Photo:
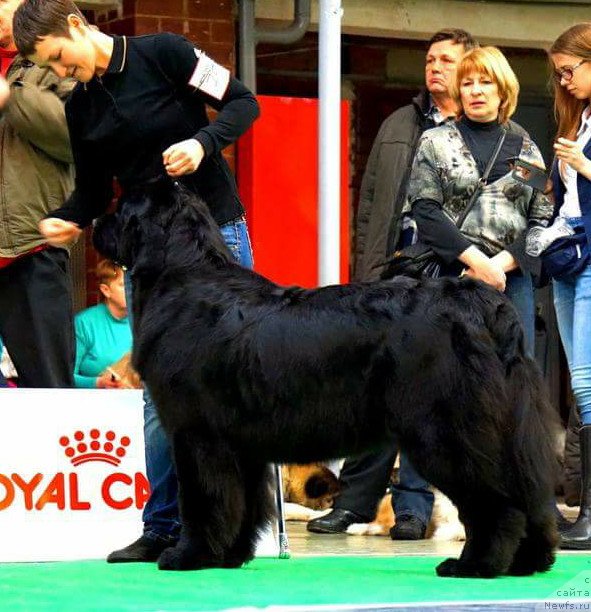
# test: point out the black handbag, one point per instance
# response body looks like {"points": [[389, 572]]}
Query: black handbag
{"points": [[414, 260], [566, 257], [420, 259]]}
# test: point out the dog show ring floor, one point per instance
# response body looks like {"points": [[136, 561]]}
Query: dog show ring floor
{"points": [[325, 573]]}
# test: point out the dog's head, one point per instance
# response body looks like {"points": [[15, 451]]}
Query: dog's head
{"points": [[312, 485], [160, 225]]}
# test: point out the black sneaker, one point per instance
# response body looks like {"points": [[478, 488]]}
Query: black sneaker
{"points": [[145, 549], [408, 528], [336, 521]]}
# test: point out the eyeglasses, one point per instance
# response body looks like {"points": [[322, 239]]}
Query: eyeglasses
{"points": [[566, 74]]}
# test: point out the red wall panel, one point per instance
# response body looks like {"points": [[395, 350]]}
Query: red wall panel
{"points": [[278, 178]]}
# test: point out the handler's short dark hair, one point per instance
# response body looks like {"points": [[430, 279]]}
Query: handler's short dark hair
{"points": [[457, 35], [34, 19]]}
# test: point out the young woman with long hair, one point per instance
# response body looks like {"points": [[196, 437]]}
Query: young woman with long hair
{"points": [[570, 57]]}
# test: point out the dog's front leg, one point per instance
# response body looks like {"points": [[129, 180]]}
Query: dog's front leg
{"points": [[211, 502]]}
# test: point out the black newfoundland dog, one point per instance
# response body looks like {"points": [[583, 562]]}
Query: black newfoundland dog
{"points": [[245, 372]]}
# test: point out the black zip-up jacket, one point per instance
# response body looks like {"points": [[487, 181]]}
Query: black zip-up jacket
{"points": [[383, 188], [150, 97]]}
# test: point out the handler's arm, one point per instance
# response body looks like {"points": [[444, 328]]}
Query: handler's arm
{"points": [[94, 180], [190, 68]]}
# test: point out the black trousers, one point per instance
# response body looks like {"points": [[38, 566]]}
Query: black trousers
{"points": [[365, 478], [36, 318]]}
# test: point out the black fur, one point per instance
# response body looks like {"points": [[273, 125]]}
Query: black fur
{"points": [[245, 372]]}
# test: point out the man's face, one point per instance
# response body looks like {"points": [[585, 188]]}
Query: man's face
{"points": [[7, 9], [441, 64]]}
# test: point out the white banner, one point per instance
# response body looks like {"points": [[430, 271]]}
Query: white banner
{"points": [[72, 474]]}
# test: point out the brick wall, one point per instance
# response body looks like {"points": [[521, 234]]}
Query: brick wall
{"points": [[209, 24]]}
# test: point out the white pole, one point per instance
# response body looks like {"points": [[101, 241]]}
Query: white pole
{"points": [[329, 141]]}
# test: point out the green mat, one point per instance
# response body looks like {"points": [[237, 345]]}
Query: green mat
{"points": [[96, 585]]}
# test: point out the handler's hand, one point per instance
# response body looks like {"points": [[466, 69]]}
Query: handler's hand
{"points": [[59, 232], [183, 157], [571, 152]]}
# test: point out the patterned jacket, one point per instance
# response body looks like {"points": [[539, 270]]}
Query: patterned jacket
{"points": [[445, 171]]}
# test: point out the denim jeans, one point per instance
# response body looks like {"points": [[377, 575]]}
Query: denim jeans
{"points": [[520, 290], [572, 302], [412, 495], [161, 513]]}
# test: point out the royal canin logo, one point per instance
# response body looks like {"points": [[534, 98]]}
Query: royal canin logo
{"points": [[118, 490], [95, 448]]}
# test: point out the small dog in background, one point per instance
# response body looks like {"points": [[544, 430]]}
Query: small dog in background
{"points": [[123, 371], [309, 490], [444, 525]]}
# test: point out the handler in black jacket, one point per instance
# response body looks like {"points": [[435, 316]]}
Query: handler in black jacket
{"points": [[139, 111]]}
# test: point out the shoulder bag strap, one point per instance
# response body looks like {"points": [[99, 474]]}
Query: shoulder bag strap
{"points": [[482, 180]]}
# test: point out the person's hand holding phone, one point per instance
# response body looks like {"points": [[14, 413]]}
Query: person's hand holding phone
{"points": [[571, 152]]}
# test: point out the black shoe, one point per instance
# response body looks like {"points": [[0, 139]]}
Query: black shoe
{"points": [[336, 521], [408, 528], [578, 537], [144, 549]]}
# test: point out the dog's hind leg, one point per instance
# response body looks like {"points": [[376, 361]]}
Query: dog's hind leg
{"points": [[494, 530], [211, 502], [259, 510]]}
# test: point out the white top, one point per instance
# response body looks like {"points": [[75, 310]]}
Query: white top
{"points": [[571, 206]]}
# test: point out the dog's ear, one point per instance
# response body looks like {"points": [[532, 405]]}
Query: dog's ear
{"points": [[142, 241], [105, 236]]}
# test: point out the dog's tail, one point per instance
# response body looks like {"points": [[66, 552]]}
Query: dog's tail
{"points": [[532, 454]]}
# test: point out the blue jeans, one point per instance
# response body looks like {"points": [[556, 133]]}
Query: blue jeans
{"points": [[161, 513], [572, 302], [412, 496], [520, 290]]}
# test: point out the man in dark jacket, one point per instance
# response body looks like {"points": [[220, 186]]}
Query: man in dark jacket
{"points": [[383, 190], [36, 175]]}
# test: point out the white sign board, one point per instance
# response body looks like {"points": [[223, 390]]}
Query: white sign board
{"points": [[72, 474]]}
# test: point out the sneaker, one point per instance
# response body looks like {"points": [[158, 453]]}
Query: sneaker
{"points": [[145, 549], [408, 528]]}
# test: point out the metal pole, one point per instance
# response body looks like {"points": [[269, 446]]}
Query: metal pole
{"points": [[247, 44], [329, 141]]}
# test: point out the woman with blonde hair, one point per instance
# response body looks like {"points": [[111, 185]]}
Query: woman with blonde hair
{"points": [[477, 227], [570, 57]]}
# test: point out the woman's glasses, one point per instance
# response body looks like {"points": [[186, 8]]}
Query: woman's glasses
{"points": [[566, 74]]}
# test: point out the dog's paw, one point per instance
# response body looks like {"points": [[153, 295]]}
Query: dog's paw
{"points": [[449, 532], [179, 558], [455, 568], [373, 529], [527, 563]]}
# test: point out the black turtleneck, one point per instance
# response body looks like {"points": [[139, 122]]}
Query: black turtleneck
{"points": [[481, 138], [436, 228]]}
